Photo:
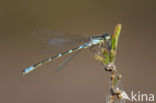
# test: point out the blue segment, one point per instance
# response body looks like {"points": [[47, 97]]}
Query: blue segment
{"points": [[86, 44], [70, 51], [60, 55], [80, 47], [27, 70]]}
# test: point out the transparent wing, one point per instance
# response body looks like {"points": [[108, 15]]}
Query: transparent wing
{"points": [[59, 40]]}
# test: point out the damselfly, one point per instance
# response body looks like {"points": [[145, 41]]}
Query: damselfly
{"points": [[101, 40]]}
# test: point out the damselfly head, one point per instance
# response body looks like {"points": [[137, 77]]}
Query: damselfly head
{"points": [[106, 36]]}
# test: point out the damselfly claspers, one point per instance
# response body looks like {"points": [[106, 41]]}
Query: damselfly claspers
{"points": [[92, 41]]}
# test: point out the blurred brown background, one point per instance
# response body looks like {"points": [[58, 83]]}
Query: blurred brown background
{"points": [[83, 80]]}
